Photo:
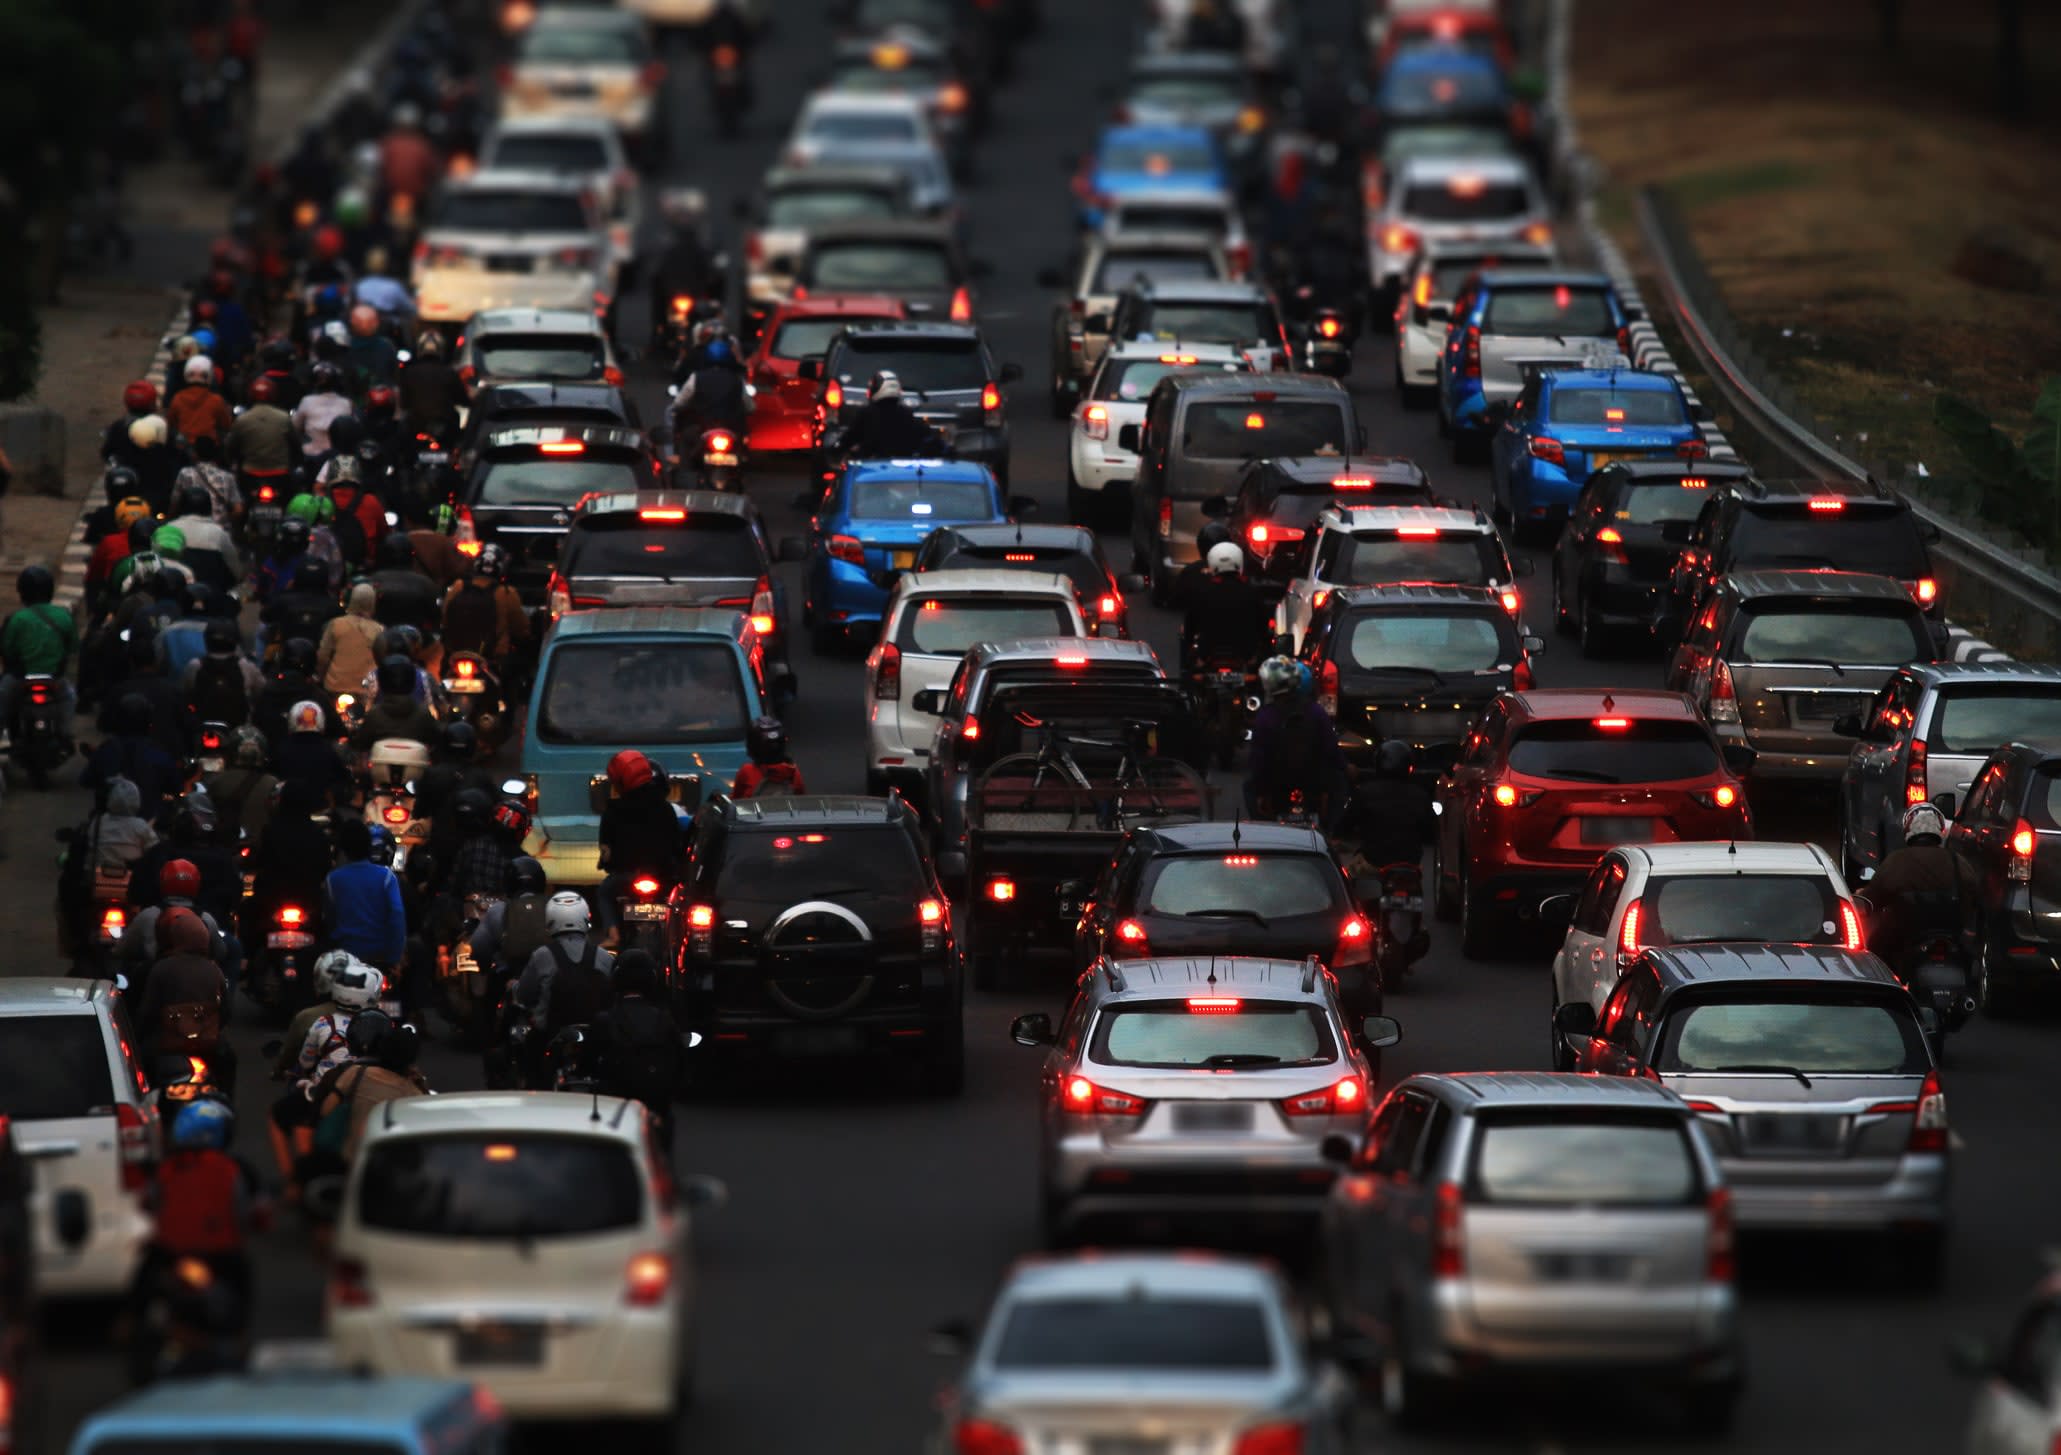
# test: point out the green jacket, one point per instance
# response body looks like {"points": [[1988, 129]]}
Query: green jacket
{"points": [[37, 640]]}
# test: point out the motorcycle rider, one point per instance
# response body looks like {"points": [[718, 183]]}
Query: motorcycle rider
{"points": [[197, 409], [361, 903], [1918, 892], [567, 982], [713, 397], [260, 447], [325, 402], [373, 359], [432, 392], [301, 609], [640, 833], [887, 428], [484, 615], [514, 929], [156, 463], [133, 754], [397, 712], [345, 655], [1390, 811], [205, 1201], [291, 681], [139, 398], [479, 865], [686, 267], [361, 1088], [224, 684], [1224, 617], [210, 551], [185, 995], [242, 792], [638, 1043], [323, 979], [37, 641], [1294, 746], [207, 473], [769, 771], [407, 597]]}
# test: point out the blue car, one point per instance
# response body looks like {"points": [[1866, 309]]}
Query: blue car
{"points": [[1132, 159], [1509, 320], [295, 1411], [1568, 422], [1442, 86], [866, 531]]}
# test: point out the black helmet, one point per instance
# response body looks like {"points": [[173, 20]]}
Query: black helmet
{"points": [[766, 740], [298, 655], [328, 379], [345, 434], [132, 714], [276, 355], [195, 500], [1213, 533], [293, 536], [1393, 758], [492, 562], [408, 640], [221, 637], [460, 739], [121, 482], [196, 599], [398, 1047], [388, 644], [366, 1030], [471, 808], [35, 585], [396, 676], [526, 875], [396, 552]]}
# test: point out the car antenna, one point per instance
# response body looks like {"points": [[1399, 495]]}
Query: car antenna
{"points": [[622, 1109], [1237, 824], [1212, 973], [594, 1113], [1733, 848]]}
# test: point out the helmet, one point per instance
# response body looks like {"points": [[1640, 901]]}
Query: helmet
{"points": [[512, 819], [196, 600], [203, 1125], [356, 986], [565, 913], [720, 352], [1922, 821], [179, 879], [144, 568], [629, 770], [460, 739], [130, 509], [250, 748], [398, 1047], [261, 390], [384, 844], [352, 206], [311, 509], [327, 378], [380, 397], [346, 433], [470, 808], [361, 1037], [885, 385], [120, 482], [1393, 758], [207, 311], [397, 675], [148, 430], [305, 717], [492, 562], [185, 347], [429, 344], [220, 637], [200, 369], [195, 500], [182, 932], [328, 241], [326, 966], [1278, 677], [205, 338], [1225, 559], [35, 585], [168, 540], [396, 552], [140, 397], [526, 876], [276, 355], [364, 320], [298, 655], [407, 640], [766, 740], [334, 341], [1210, 535]]}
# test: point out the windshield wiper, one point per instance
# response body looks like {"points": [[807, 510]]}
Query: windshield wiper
{"points": [[1252, 914], [1241, 1058], [1437, 677], [1838, 668], [1772, 1070]]}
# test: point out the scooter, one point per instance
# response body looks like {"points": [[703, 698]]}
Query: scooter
{"points": [[33, 739], [281, 978], [1327, 345], [722, 460], [1936, 973], [1400, 937], [476, 697], [464, 988], [729, 88], [644, 919]]}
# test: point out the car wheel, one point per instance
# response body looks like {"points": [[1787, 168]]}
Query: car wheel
{"points": [[1592, 631], [1563, 619], [944, 1064], [1444, 902], [1477, 922]]}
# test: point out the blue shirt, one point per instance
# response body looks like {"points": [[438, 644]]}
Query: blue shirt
{"points": [[365, 914]]}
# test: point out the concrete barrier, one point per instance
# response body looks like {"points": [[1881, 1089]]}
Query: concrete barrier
{"points": [[33, 436]]}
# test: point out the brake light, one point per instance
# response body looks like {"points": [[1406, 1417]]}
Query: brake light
{"points": [[887, 672], [1506, 796], [1166, 517], [1421, 294], [558, 596], [991, 402], [348, 1285], [1344, 1096], [1395, 238], [931, 911], [683, 304], [1926, 590], [562, 447], [39, 694], [719, 442], [1317, 602], [1914, 773], [1352, 482], [1541, 233], [1850, 925], [1826, 503], [962, 305], [701, 917], [1470, 352], [2023, 842], [1546, 448], [1214, 1004], [113, 921], [1417, 532], [648, 1280], [292, 916], [1327, 688], [663, 513], [1724, 702], [1520, 675], [1929, 1127], [848, 549], [1720, 1258], [970, 730], [1329, 327], [833, 395], [1448, 1250], [1109, 606], [134, 1133], [763, 617], [1001, 891], [1131, 936], [1724, 795], [1628, 932], [465, 667], [266, 492], [1085, 1098], [1613, 724], [1181, 360], [1510, 601], [1355, 942], [395, 813], [1095, 422], [1610, 536], [984, 1437]]}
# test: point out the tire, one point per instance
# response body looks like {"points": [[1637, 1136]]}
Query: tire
{"points": [[1562, 1059], [1478, 924], [1445, 904], [944, 1066], [1563, 619]]}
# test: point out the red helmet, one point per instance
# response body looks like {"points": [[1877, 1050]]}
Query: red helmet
{"points": [[222, 252], [329, 241], [262, 390], [179, 879], [630, 769], [512, 818], [380, 396], [206, 310], [222, 281], [140, 397]]}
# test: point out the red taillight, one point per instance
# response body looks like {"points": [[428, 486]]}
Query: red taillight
{"points": [[395, 813], [1329, 327], [1628, 933], [991, 398], [718, 442], [1724, 795], [970, 729], [1724, 701], [984, 1437], [611, 375], [1355, 941], [648, 1280], [1109, 606], [1510, 600], [1215, 1004], [962, 305], [1131, 936], [39, 694], [1395, 238], [887, 672], [348, 1284], [266, 492], [833, 395], [1470, 352], [1001, 891], [1085, 1098], [1095, 422], [1506, 796], [134, 1133], [930, 911], [1926, 590], [1929, 1124], [1720, 1252], [646, 886], [1448, 1250], [1546, 448], [292, 916], [1327, 688], [1520, 675], [848, 549], [562, 447], [1275, 1439], [1849, 925], [1343, 1096], [701, 917], [2023, 842], [1166, 517], [1692, 449]]}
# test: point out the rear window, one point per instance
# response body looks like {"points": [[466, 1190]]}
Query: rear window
{"points": [[515, 1185], [700, 547], [1656, 502], [1418, 641], [217, 1442], [545, 153], [1158, 158], [574, 45], [541, 356], [848, 126], [1701, 908], [1271, 886], [1811, 1033], [54, 1066], [880, 267], [1466, 200], [1119, 270], [805, 336], [1171, 217], [932, 367], [1577, 751], [1211, 323], [842, 863], [806, 207], [1548, 311], [1560, 1161], [1880, 542], [1618, 407], [1829, 632], [1188, 90], [1470, 558], [948, 625], [1253, 429], [1133, 378], [602, 693], [482, 211], [1976, 719], [1104, 1334], [555, 482], [1426, 91], [1251, 1034], [921, 500], [1088, 578]]}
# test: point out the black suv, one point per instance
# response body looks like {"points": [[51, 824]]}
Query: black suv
{"points": [[1274, 512], [506, 402], [1073, 551], [528, 479], [949, 377], [815, 926], [1805, 525]]}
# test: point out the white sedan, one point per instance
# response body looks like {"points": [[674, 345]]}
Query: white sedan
{"points": [[1100, 465]]}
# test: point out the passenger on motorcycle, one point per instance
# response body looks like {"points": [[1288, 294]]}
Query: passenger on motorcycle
{"points": [[567, 982], [324, 403], [346, 652], [261, 446], [479, 865], [355, 1091], [361, 903], [1223, 616], [514, 929], [638, 1043], [484, 615], [639, 831], [1918, 893], [224, 685], [323, 979], [185, 996], [431, 391], [345, 1033], [210, 551], [208, 474], [397, 712], [887, 428], [1389, 813], [242, 793], [1294, 746], [454, 767], [205, 1202], [770, 771]]}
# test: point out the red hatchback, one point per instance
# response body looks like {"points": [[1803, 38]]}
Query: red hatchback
{"points": [[1548, 781], [784, 410]]}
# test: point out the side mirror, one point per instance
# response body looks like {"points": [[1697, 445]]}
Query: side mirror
{"points": [[1131, 582], [1534, 645], [1381, 1030], [699, 1190], [1677, 532], [810, 368], [1216, 508], [73, 1218], [950, 1339], [1575, 1018], [1847, 725], [1127, 438], [931, 700], [1739, 758], [1034, 1029], [1556, 911], [1051, 278], [1022, 505], [1967, 1354], [1946, 803], [791, 548], [1337, 1149]]}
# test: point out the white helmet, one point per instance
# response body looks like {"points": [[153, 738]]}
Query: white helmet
{"points": [[565, 913], [1923, 821], [355, 985], [326, 967], [886, 385], [1225, 559], [147, 431], [200, 369]]}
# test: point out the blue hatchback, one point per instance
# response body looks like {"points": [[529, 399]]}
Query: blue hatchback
{"points": [[299, 1411], [866, 531], [1566, 423], [1131, 159]]}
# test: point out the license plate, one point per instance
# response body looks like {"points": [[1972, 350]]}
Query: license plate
{"points": [[501, 1344], [719, 458], [462, 962], [1213, 1116], [645, 912], [1126, 1445], [430, 457], [901, 560], [288, 940], [509, 262], [1610, 457], [1582, 1267], [1823, 706], [262, 516], [1412, 901], [817, 1040], [1616, 830], [1793, 1133], [464, 685], [574, 90]]}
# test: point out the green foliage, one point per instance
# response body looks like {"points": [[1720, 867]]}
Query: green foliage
{"points": [[2018, 482]]}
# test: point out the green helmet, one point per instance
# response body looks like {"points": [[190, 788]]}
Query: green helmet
{"points": [[168, 540], [312, 508], [352, 207]]}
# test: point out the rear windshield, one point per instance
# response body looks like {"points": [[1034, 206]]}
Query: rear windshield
{"points": [[2044, 801], [1252, 430], [53, 1066], [1210, 323], [921, 500], [217, 1442], [1158, 158], [1581, 1159], [880, 267], [805, 336], [1880, 542], [482, 211], [546, 153], [516, 1185], [1119, 270], [1618, 407], [948, 625], [1256, 1035], [1272, 886], [1134, 378], [1812, 1033], [1656, 502], [1699, 908], [1976, 719], [582, 45], [1472, 558], [805, 207], [1578, 751], [1103, 1334], [652, 693], [1463, 201], [699, 547], [1088, 578], [1828, 631], [1415, 640], [1190, 90], [555, 482], [868, 125], [541, 356], [1549, 311], [924, 368], [1448, 274], [842, 863], [1421, 90], [1172, 217]]}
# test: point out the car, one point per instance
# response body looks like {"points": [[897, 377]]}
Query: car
{"points": [[1424, 305], [1810, 1070], [500, 403], [1176, 314], [2006, 842], [1612, 563], [79, 1109], [1445, 86], [1099, 467], [1273, 511], [1197, 88], [679, 684], [978, 38], [1430, 139], [586, 61], [866, 530], [1127, 160], [2015, 1409], [1497, 1226], [23, 1380], [1928, 732], [1565, 423], [674, 17], [916, 261], [535, 1242], [908, 63], [776, 221], [1550, 780], [816, 927], [1198, 1086], [1433, 200], [1775, 658], [1692, 894], [931, 619], [1209, 210], [585, 147], [1377, 545], [1105, 267], [1072, 550], [923, 169], [1508, 318], [1478, 29], [1196, 889], [558, 345], [528, 478], [409, 1415], [949, 376], [783, 417], [1108, 1350], [848, 123], [1807, 524], [513, 240], [1413, 661]]}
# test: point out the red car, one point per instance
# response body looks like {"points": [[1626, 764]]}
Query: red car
{"points": [[784, 411], [1548, 781]]}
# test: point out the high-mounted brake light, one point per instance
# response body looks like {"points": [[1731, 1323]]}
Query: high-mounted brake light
{"points": [[1695, 482], [1613, 724], [1613, 416], [1214, 1004], [1352, 482], [1183, 360], [1417, 532], [1242, 861], [562, 447], [1825, 502], [661, 512], [1070, 661], [1019, 557]]}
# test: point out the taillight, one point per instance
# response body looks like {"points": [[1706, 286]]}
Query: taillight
{"points": [[1348, 1095], [1929, 1127], [1692, 449], [1095, 422], [1926, 590], [848, 549], [1470, 352], [558, 596], [763, 617], [1166, 517], [1509, 796], [1612, 540], [1914, 773], [1001, 891], [1624, 339], [1520, 675], [1355, 942], [1395, 238], [991, 404], [2023, 842], [984, 1437], [1109, 607], [1720, 1246], [1546, 448], [833, 395], [1130, 937], [1083, 1097], [134, 1133], [1724, 702], [648, 1280], [1275, 1439], [113, 920], [932, 917], [962, 305], [1240, 259], [1448, 1250], [1628, 932], [887, 672], [1327, 688], [291, 916], [701, 927], [1510, 599], [718, 442], [1849, 925], [1329, 327], [969, 730], [348, 1284]]}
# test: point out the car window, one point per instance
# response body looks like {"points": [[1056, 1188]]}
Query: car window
{"points": [[1578, 750], [1188, 90], [1687, 909], [1583, 1160], [798, 338], [656, 693], [541, 356], [1977, 719], [1119, 270], [1158, 157], [1421, 641], [1627, 1021], [2043, 799], [1209, 323], [1985, 797], [1088, 578], [218, 1442], [949, 625], [582, 45], [1220, 1031], [54, 1066], [1883, 542], [1599, 897], [881, 265], [806, 207], [847, 863], [1132, 379], [1609, 408], [542, 152], [1660, 502], [838, 124], [481, 210], [920, 499], [1396, 1155], [624, 545], [1549, 310], [924, 367], [1250, 429], [1419, 89], [1465, 199], [1134, 1332], [1822, 631], [1272, 886], [1824, 1034], [1470, 558], [1146, 215], [555, 482], [517, 1185]]}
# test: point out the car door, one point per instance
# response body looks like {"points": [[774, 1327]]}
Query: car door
{"points": [[1403, 1208], [1976, 839], [1686, 582], [1569, 551], [1064, 1054], [1690, 668], [1586, 967], [1874, 784], [1624, 1028], [1104, 906], [1513, 437], [1292, 616], [2014, 1412], [1375, 1248]]}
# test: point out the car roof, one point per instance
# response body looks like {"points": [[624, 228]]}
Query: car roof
{"points": [[1553, 704], [1247, 976], [1787, 490], [587, 15], [1630, 381], [52, 994], [1483, 1090], [1184, 1273], [811, 808], [1743, 964], [1723, 472], [1745, 856], [1047, 537], [1229, 834], [1416, 593], [1256, 385], [886, 229], [833, 99], [1038, 649], [1146, 133], [301, 1404], [869, 306], [619, 436], [1186, 63], [574, 393], [1371, 517], [1947, 674], [724, 622], [912, 327], [1200, 290], [833, 174], [694, 502], [949, 470], [518, 179], [1323, 469], [559, 1113], [1443, 167], [533, 320], [1762, 585], [985, 581], [1542, 278], [556, 124]]}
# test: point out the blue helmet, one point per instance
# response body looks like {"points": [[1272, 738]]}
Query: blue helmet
{"points": [[203, 1125], [720, 352], [383, 845], [205, 337]]}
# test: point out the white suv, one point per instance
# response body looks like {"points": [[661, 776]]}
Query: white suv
{"points": [[513, 240], [1097, 458], [1383, 545], [929, 621], [80, 1110]]}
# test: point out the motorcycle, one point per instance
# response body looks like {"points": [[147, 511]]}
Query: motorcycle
{"points": [[266, 496], [506, 1061], [476, 696], [722, 460], [644, 919], [1400, 937], [674, 325], [1936, 973], [33, 738], [192, 1323], [1327, 343], [281, 978], [212, 754], [1226, 702], [569, 1062]]}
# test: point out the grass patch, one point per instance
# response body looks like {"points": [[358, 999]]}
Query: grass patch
{"points": [[1725, 184]]}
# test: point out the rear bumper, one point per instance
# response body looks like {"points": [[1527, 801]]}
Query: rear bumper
{"points": [[1818, 762], [629, 1365], [1687, 1335], [1117, 1188], [1913, 1196], [446, 299], [1620, 601], [1097, 465], [1513, 890]]}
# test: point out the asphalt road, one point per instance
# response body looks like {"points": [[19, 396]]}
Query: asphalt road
{"points": [[861, 1214]]}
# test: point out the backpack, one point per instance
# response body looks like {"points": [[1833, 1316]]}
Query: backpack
{"points": [[781, 780], [219, 694], [580, 992], [643, 1052], [333, 1129], [198, 1194], [190, 1029], [472, 621], [1294, 757], [523, 930]]}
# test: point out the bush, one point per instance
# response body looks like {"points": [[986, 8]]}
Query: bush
{"points": [[2018, 482]]}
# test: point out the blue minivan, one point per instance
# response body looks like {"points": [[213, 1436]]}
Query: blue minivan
{"points": [[680, 684], [332, 1412]]}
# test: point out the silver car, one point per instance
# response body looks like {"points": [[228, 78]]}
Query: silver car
{"points": [[1493, 1224], [1196, 1086], [1434, 200], [1142, 1354]]}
